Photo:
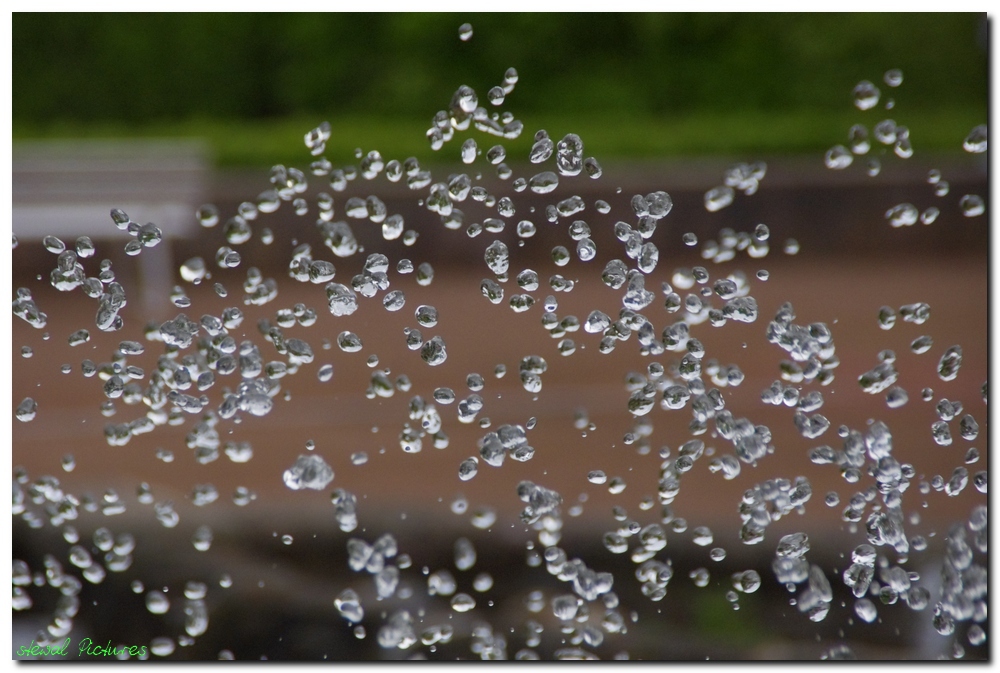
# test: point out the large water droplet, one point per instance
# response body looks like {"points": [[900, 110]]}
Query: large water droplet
{"points": [[866, 95], [972, 205], [309, 471], [975, 142], [26, 410]]}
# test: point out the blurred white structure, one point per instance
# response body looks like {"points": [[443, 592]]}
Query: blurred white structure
{"points": [[67, 188]]}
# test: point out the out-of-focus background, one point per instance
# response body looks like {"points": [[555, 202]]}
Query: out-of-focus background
{"points": [[634, 85], [158, 114]]}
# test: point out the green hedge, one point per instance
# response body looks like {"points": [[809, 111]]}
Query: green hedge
{"points": [[141, 68]]}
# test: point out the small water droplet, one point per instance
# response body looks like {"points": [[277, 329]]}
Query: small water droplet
{"points": [[893, 77]]}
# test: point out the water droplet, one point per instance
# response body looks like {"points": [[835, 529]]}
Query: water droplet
{"points": [[569, 155], [496, 154], [866, 95], [26, 410], [972, 205], [950, 363], [858, 140], [496, 96], [886, 132], [747, 581], [975, 142], [838, 158], [162, 646], [202, 538], [483, 518], [526, 229], [543, 183], [53, 244], [462, 602], [902, 215], [348, 604], [309, 471], [976, 635], [79, 337], [865, 610], [469, 151], [929, 215], [393, 301], [349, 342], [597, 477], [896, 397], [542, 150], [702, 536]]}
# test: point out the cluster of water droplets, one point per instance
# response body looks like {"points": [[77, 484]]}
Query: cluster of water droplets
{"points": [[740, 177], [197, 353], [888, 133]]}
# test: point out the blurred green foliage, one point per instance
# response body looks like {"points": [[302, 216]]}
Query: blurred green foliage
{"points": [[74, 72], [714, 617], [744, 136]]}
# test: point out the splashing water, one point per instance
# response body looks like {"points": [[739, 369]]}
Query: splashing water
{"points": [[218, 381]]}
